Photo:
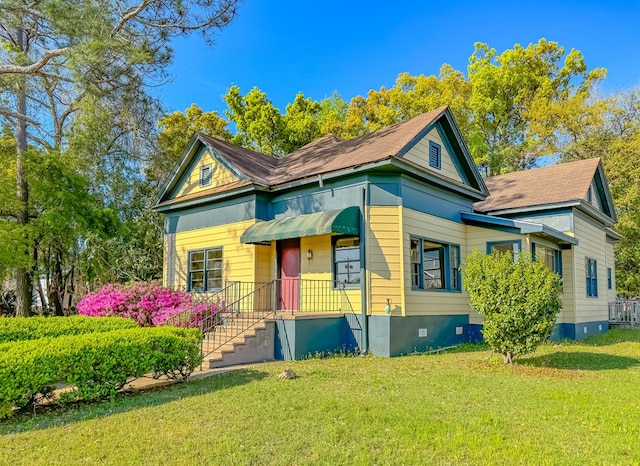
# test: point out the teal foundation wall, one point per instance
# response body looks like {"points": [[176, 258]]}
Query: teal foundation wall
{"points": [[304, 338], [391, 336], [395, 336], [577, 331]]}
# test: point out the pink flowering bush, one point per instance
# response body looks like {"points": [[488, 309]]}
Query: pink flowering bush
{"points": [[147, 303]]}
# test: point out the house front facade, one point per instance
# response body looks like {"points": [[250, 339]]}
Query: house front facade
{"points": [[358, 243]]}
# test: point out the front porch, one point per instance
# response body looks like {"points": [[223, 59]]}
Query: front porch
{"points": [[284, 319]]}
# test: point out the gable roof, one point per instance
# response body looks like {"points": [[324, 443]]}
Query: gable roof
{"points": [[548, 186], [327, 154]]}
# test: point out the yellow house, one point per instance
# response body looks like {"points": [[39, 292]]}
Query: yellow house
{"points": [[358, 243]]}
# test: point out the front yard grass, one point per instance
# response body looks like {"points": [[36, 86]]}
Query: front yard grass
{"points": [[574, 403]]}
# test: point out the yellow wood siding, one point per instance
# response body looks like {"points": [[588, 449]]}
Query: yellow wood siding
{"points": [[239, 260], [220, 175], [317, 274], [385, 277], [610, 263], [419, 154], [265, 263], [593, 245], [421, 302]]}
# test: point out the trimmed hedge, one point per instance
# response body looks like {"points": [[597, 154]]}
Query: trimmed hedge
{"points": [[97, 364], [32, 328]]}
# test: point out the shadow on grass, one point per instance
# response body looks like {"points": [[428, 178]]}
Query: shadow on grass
{"points": [[58, 415], [580, 361]]}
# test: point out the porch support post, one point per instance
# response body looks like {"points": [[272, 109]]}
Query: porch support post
{"points": [[363, 267]]}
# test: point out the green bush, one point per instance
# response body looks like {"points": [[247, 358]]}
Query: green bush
{"points": [[32, 328], [97, 364], [519, 300]]}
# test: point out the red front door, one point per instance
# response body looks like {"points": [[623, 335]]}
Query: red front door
{"points": [[289, 272]]}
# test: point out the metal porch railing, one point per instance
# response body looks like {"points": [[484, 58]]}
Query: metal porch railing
{"points": [[242, 305]]}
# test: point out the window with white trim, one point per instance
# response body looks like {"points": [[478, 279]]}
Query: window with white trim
{"points": [[205, 269], [591, 274], [346, 261], [434, 265], [205, 175], [609, 278]]}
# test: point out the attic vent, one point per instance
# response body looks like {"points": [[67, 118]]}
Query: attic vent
{"points": [[205, 175], [434, 155]]}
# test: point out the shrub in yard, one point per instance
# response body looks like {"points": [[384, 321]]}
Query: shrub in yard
{"points": [[32, 328], [519, 300], [97, 364], [147, 303]]}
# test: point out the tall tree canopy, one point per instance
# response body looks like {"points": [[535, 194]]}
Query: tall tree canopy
{"points": [[60, 60]]}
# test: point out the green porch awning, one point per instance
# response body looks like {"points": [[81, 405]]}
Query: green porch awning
{"points": [[343, 221]]}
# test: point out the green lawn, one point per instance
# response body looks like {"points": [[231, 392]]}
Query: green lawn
{"points": [[578, 403]]}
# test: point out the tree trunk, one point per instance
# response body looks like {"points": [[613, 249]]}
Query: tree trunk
{"points": [[24, 279], [55, 288]]}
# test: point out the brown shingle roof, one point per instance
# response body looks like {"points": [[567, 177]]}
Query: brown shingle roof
{"points": [[549, 185], [254, 165], [324, 155]]}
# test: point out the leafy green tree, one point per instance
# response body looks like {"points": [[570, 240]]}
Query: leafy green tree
{"points": [[409, 97], [259, 125], [301, 123], [519, 300], [175, 131], [509, 106], [56, 54], [332, 117], [610, 128], [520, 97]]}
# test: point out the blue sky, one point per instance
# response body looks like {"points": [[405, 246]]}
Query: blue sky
{"points": [[318, 46]]}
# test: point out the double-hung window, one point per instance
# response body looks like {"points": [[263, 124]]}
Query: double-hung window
{"points": [[346, 261], [434, 265], [609, 278], [205, 269], [591, 273], [551, 257]]}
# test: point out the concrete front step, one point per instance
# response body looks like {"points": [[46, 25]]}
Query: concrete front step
{"points": [[253, 345]]}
